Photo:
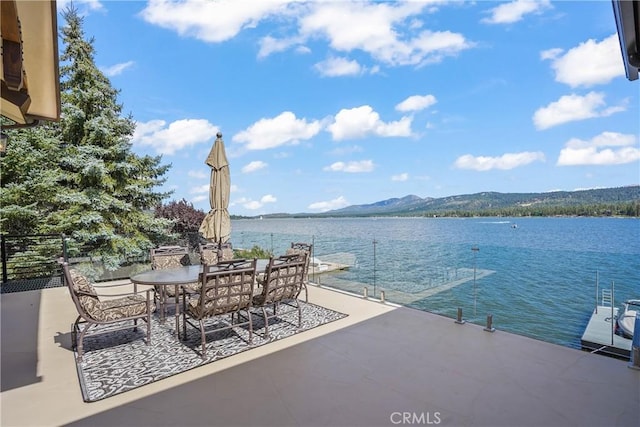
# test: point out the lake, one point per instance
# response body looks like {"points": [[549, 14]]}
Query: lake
{"points": [[536, 276]]}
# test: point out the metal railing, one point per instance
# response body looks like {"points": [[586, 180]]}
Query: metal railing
{"points": [[31, 261], [30, 256]]}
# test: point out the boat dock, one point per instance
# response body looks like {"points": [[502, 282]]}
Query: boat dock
{"points": [[330, 263], [598, 337]]}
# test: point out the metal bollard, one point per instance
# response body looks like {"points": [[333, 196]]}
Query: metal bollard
{"points": [[490, 327], [459, 320], [634, 361], [382, 296], [365, 292]]}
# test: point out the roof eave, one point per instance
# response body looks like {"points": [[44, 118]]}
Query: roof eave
{"points": [[627, 15], [40, 99]]}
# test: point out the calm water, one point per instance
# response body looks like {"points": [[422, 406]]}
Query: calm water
{"points": [[543, 285]]}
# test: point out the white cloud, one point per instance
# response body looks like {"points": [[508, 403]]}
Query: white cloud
{"points": [[334, 67], [508, 13], [86, 5], [551, 53], [200, 189], [253, 166], [117, 69], [178, 135], [210, 21], [198, 174], [570, 108], [269, 45], [390, 33], [505, 162], [362, 121], [416, 103], [400, 177], [351, 167], [344, 150], [329, 205], [588, 64], [198, 199], [608, 148], [280, 130], [254, 204], [383, 30]]}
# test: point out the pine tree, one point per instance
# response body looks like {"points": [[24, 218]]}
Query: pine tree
{"points": [[79, 176]]}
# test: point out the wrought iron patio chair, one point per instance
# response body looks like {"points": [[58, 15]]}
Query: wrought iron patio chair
{"points": [[165, 257], [210, 253], [281, 284], [307, 248], [226, 289], [94, 311]]}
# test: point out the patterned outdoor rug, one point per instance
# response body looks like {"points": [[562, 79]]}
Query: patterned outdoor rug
{"points": [[120, 361]]}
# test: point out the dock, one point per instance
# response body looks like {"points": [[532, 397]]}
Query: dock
{"points": [[599, 338], [331, 262]]}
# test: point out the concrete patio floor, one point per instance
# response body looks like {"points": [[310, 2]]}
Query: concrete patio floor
{"points": [[381, 365]]}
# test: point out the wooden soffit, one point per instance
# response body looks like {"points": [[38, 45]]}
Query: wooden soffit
{"points": [[29, 66]]}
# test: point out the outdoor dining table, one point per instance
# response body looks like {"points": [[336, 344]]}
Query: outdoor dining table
{"points": [[176, 277], [169, 277]]}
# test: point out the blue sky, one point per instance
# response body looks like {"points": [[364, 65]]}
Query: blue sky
{"points": [[334, 103]]}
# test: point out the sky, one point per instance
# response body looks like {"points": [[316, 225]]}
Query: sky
{"points": [[326, 104]]}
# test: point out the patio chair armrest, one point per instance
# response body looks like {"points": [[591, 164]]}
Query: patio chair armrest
{"points": [[188, 290], [89, 294], [147, 300], [115, 285], [124, 294], [135, 287]]}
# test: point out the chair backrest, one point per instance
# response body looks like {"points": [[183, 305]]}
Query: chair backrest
{"points": [[82, 292], [209, 253], [302, 248], [284, 277], [226, 287], [169, 257]]}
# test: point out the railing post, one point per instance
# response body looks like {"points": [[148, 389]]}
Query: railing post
{"points": [[459, 320], [490, 327], [634, 361], [3, 255], [65, 256]]}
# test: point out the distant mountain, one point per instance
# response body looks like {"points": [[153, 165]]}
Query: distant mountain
{"points": [[383, 207], [588, 202]]}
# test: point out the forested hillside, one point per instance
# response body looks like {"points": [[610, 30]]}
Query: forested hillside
{"points": [[621, 201]]}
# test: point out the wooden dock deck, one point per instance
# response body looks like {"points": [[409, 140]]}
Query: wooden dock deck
{"points": [[598, 337]]}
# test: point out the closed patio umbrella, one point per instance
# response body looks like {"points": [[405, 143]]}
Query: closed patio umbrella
{"points": [[216, 225]]}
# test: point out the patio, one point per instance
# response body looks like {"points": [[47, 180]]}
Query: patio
{"points": [[380, 365]]}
